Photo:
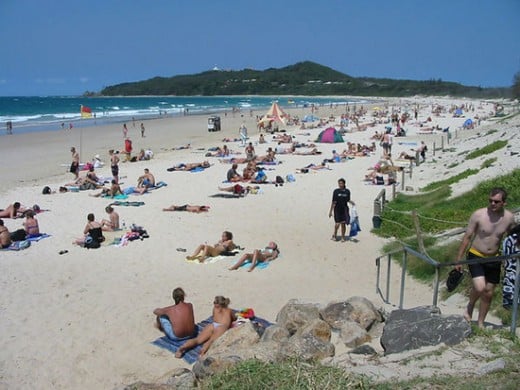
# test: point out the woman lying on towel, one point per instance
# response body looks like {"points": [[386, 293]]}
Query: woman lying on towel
{"points": [[204, 251], [187, 207], [222, 319], [189, 166], [269, 253]]}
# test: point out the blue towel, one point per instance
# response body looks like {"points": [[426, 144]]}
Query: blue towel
{"points": [[38, 237]]}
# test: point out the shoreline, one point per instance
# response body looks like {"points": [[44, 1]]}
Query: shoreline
{"points": [[93, 308]]}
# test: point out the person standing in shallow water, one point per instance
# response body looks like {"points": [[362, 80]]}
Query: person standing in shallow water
{"points": [[486, 228], [339, 206]]}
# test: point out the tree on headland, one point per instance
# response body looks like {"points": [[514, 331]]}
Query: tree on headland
{"points": [[516, 86]]}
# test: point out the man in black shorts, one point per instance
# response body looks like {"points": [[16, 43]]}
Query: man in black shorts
{"points": [[339, 205], [485, 231]]}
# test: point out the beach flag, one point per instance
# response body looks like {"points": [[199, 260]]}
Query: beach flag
{"points": [[86, 112]]}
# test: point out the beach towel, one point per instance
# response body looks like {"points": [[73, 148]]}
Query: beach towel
{"points": [[18, 245], [158, 185], [37, 237], [192, 355], [214, 259], [126, 203], [259, 265], [120, 196]]}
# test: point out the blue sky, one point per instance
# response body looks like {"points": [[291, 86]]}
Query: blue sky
{"points": [[66, 47]]}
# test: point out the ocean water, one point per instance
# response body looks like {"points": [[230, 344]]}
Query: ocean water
{"points": [[35, 113]]}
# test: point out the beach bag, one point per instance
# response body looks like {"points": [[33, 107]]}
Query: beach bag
{"points": [[279, 180], [380, 180], [91, 243], [290, 178], [46, 190], [18, 235]]}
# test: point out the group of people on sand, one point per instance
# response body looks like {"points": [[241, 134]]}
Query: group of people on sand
{"points": [[30, 228], [177, 322], [226, 245]]}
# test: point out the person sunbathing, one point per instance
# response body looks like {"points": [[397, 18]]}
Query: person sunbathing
{"points": [[188, 166], [14, 210], [187, 207], [92, 230], [308, 152], [204, 251], [5, 236], [114, 190], [223, 317], [237, 189], [111, 224], [31, 224], [269, 253], [313, 167]]}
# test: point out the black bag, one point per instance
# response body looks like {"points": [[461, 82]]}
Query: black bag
{"points": [[454, 279], [279, 180], [18, 235], [91, 242]]}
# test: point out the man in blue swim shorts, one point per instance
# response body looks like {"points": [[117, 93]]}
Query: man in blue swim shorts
{"points": [[176, 321], [147, 180]]}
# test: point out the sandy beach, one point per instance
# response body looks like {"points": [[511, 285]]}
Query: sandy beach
{"points": [[84, 319]]}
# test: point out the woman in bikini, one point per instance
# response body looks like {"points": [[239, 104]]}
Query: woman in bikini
{"points": [[269, 253], [204, 251], [31, 224], [223, 316], [188, 207]]}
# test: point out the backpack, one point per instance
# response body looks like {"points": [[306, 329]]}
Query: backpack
{"points": [[279, 180], [91, 243]]}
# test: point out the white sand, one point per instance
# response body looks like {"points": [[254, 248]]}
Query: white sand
{"points": [[84, 319]]}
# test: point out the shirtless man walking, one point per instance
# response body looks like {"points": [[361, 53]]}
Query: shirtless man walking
{"points": [[485, 231], [176, 321], [114, 161], [74, 166]]}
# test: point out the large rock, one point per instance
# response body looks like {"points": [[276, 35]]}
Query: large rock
{"points": [[211, 365], [422, 326], [311, 342], [353, 335], [294, 315], [356, 309], [275, 333], [182, 379], [241, 337]]}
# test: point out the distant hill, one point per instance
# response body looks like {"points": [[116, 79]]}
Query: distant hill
{"points": [[304, 78]]}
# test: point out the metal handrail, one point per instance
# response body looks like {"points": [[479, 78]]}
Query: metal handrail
{"points": [[421, 256]]}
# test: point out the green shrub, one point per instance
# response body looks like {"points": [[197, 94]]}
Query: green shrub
{"points": [[486, 149]]}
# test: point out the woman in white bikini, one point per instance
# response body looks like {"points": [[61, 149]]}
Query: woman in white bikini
{"points": [[222, 319], [269, 253]]}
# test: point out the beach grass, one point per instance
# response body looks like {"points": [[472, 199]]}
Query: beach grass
{"points": [[290, 374], [298, 374], [497, 145]]}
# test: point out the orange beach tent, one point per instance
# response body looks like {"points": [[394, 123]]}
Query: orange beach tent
{"points": [[275, 113]]}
